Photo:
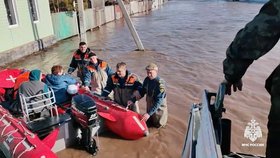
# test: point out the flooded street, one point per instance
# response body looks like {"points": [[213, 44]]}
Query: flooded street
{"points": [[188, 41]]}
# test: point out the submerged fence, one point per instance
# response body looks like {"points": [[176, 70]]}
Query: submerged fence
{"points": [[65, 24]]}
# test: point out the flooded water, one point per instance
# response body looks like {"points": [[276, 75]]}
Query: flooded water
{"points": [[188, 40]]}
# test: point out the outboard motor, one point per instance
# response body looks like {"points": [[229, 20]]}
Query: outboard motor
{"points": [[84, 112]]}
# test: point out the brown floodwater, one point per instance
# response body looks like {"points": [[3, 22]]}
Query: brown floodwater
{"points": [[188, 40]]}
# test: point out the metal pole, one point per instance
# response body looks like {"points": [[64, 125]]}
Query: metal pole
{"points": [[131, 26], [94, 11], [83, 36], [34, 27]]}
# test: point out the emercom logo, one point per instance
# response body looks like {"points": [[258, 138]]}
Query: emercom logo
{"points": [[253, 130]]}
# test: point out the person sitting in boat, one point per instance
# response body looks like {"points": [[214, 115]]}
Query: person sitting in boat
{"points": [[96, 73], [125, 86], [79, 60], [59, 82], [154, 88], [33, 87]]}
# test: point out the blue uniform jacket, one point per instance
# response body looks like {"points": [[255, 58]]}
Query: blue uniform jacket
{"points": [[156, 89]]}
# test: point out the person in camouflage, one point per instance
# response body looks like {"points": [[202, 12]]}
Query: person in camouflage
{"points": [[253, 41]]}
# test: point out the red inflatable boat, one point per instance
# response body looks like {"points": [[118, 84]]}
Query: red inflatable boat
{"points": [[19, 139], [16, 141], [119, 120]]}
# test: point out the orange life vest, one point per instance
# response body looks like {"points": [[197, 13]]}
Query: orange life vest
{"points": [[19, 80], [129, 81], [102, 65]]}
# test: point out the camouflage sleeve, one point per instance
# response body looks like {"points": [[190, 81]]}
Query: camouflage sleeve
{"points": [[253, 41]]}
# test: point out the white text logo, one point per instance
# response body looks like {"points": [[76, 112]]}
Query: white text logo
{"points": [[253, 131]]}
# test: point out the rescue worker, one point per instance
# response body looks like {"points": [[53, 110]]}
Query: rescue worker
{"points": [[125, 86], [154, 87], [59, 82], [253, 41], [96, 74], [79, 60]]}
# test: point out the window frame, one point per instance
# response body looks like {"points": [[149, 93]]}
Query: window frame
{"points": [[14, 13]]}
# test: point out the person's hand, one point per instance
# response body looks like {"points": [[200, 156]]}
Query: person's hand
{"points": [[78, 84], [86, 88], [104, 98], [145, 117], [70, 70], [238, 85], [129, 103], [137, 95]]}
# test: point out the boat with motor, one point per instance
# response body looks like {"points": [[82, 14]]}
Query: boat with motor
{"points": [[122, 121], [17, 141], [67, 125], [209, 134], [29, 134]]}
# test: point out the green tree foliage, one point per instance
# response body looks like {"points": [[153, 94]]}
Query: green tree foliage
{"points": [[66, 5]]}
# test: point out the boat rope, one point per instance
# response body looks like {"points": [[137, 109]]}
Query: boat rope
{"points": [[7, 125], [10, 133], [3, 125], [11, 117], [3, 117], [2, 109], [26, 150], [14, 150], [26, 131], [138, 123]]}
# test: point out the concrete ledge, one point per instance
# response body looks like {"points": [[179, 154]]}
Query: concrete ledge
{"points": [[97, 18], [25, 50]]}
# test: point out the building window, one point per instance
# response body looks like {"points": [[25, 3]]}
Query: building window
{"points": [[11, 12], [89, 4], [34, 9]]}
